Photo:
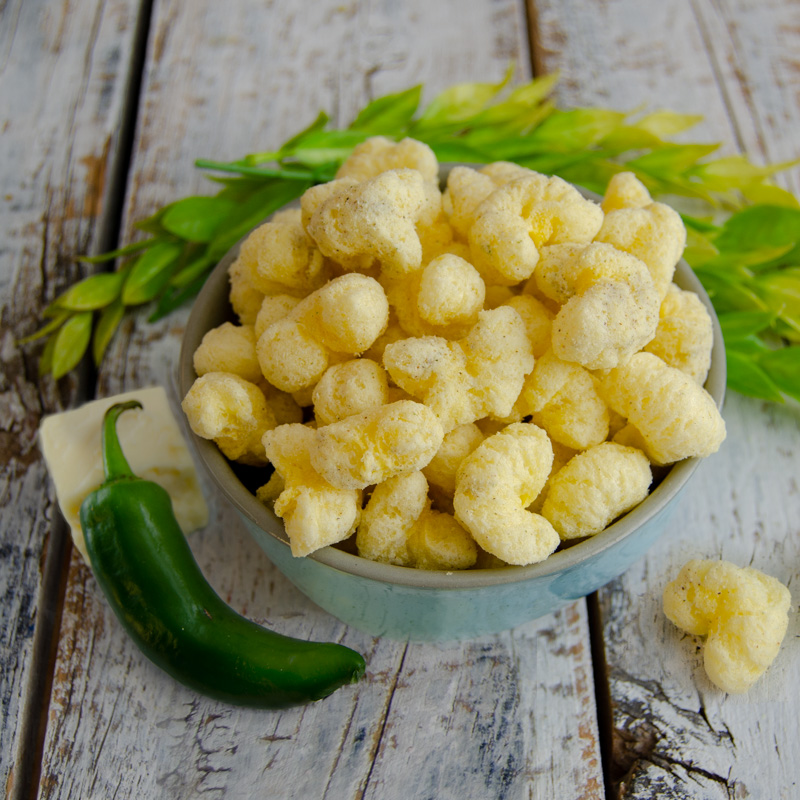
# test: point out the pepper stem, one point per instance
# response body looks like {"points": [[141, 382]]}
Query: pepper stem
{"points": [[115, 464]]}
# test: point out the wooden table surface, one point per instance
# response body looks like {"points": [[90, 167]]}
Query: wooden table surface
{"points": [[105, 105]]}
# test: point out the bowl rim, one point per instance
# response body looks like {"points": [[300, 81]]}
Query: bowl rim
{"points": [[212, 304]]}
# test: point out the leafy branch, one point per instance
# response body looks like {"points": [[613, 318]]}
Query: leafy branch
{"points": [[744, 231]]}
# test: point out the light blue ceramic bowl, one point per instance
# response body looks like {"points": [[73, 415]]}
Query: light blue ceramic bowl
{"points": [[405, 603]]}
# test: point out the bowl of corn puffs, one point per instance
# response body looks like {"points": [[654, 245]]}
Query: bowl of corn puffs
{"points": [[449, 399]]}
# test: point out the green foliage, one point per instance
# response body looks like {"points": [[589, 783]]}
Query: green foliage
{"points": [[70, 342], [751, 269], [745, 245]]}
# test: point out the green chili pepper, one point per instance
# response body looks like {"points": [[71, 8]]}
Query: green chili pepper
{"points": [[146, 569]]}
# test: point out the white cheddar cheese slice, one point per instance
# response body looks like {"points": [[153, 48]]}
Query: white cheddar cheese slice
{"points": [[153, 445]]}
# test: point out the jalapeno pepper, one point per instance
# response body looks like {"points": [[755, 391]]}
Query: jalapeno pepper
{"points": [[148, 573]]}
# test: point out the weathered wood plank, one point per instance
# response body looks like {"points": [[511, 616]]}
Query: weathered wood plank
{"points": [[674, 734], [754, 50], [511, 716], [628, 55], [222, 82], [64, 72]]}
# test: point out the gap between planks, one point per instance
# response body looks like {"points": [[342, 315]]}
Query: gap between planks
{"points": [[26, 773], [50, 605]]}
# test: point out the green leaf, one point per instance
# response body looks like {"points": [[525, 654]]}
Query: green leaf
{"points": [[760, 226], [196, 219], [46, 358], [317, 125], [746, 377], [697, 253], [699, 225], [783, 368], [323, 147], [663, 185], [389, 115], [261, 174], [728, 293], [672, 159], [489, 137], [569, 131], [742, 325], [455, 105], [741, 329], [150, 273], [768, 258], [767, 194], [520, 110], [592, 175], [457, 152], [128, 250], [254, 211], [193, 269], [174, 298], [152, 224], [630, 137], [786, 332], [734, 172], [239, 188], [781, 293], [56, 322], [746, 263], [70, 343], [664, 124], [94, 292], [751, 347], [107, 325], [567, 165]]}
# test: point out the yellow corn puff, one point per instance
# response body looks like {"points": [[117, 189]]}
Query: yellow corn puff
{"points": [[494, 486], [676, 417], [742, 612], [595, 487]]}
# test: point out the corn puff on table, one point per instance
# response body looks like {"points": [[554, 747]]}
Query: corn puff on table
{"points": [[106, 106]]}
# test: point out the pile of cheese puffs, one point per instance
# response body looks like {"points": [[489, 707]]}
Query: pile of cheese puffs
{"points": [[460, 375]]}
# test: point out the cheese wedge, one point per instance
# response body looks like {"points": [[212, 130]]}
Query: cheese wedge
{"points": [[151, 440]]}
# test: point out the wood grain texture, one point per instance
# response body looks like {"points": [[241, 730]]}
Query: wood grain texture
{"points": [[629, 56], [675, 735], [63, 78], [470, 720], [754, 50], [510, 716]]}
